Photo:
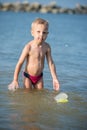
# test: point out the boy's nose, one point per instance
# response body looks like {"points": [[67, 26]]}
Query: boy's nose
{"points": [[41, 34]]}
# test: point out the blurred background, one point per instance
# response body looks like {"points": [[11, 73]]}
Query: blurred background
{"points": [[62, 3]]}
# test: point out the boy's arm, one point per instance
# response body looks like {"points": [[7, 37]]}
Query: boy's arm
{"points": [[14, 83], [52, 69]]}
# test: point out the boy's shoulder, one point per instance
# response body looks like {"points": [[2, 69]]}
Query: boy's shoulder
{"points": [[47, 44], [27, 47], [28, 44]]}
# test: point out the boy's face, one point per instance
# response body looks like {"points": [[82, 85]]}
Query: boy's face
{"points": [[39, 32]]}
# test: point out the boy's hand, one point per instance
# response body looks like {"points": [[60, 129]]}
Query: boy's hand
{"points": [[13, 86], [56, 84]]}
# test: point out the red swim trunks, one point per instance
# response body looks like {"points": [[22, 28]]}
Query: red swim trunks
{"points": [[34, 79]]}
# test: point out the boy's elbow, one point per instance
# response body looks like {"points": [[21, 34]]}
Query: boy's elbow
{"points": [[51, 65], [19, 64]]}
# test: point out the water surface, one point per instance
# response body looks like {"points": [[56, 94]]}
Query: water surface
{"points": [[37, 109]]}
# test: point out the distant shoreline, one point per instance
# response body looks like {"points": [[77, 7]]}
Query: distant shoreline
{"points": [[36, 7]]}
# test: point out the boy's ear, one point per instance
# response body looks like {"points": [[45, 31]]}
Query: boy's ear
{"points": [[32, 32]]}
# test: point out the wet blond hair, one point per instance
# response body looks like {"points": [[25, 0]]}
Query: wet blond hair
{"points": [[40, 21]]}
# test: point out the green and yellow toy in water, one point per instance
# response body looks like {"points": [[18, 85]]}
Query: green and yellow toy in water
{"points": [[61, 98]]}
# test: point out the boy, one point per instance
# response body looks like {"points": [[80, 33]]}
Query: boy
{"points": [[34, 53]]}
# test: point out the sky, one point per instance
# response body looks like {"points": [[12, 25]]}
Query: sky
{"points": [[62, 3]]}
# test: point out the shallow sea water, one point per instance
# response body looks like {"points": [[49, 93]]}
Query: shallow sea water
{"points": [[37, 110]]}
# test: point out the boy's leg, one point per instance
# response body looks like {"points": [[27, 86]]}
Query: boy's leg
{"points": [[27, 83], [40, 84]]}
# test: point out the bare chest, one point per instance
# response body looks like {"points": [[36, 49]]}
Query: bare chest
{"points": [[37, 52]]}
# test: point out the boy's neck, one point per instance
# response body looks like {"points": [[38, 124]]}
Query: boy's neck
{"points": [[38, 44]]}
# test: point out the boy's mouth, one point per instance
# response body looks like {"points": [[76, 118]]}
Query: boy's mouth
{"points": [[40, 39]]}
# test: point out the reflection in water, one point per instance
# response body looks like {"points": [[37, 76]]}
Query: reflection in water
{"points": [[32, 108], [37, 110]]}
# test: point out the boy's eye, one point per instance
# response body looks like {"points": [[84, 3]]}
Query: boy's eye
{"points": [[44, 32], [38, 31]]}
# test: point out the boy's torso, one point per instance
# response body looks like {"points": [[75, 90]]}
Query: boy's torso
{"points": [[35, 59]]}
